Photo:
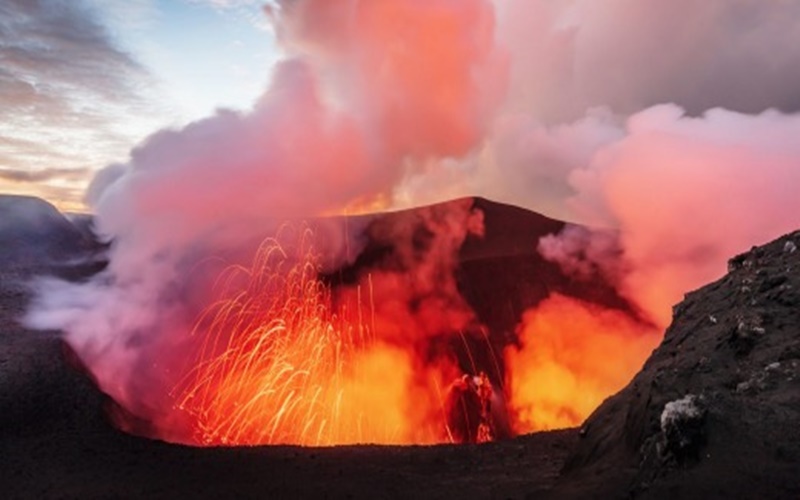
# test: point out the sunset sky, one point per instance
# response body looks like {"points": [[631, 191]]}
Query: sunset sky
{"points": [[81, 82]]}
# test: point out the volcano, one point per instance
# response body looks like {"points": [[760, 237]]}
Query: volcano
{"points": [[59, 439], [408, 327]]}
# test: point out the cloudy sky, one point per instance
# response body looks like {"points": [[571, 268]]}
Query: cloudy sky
{"points": [[82, 81]]}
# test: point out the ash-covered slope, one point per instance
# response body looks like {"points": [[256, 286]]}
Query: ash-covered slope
{"points": [[33, 230], [715, 412], [35, 238]]}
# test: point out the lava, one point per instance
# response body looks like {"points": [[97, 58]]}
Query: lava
{"points": [[278, 363], [572, 356], [282, 356]]}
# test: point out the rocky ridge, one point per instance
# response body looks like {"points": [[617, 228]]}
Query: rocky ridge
{"points": [[714, 412]]}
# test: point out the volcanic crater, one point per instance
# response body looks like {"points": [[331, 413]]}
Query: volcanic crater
{"points": [[726, 369]]}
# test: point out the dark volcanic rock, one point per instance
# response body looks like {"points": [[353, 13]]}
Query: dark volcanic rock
{"points": [[32, 229], [36, 239], [715, 412]]}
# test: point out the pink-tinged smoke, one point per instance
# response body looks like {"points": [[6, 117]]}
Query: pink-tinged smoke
{"points": [[687, 193], [361, 100], [427, 76], [370, 91], [384, 97], [681, 195]]}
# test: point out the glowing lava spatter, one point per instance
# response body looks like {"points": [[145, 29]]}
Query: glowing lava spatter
{"points": [[277, 364], [572, 355]]}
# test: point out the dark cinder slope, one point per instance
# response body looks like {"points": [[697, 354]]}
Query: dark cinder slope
{"points": [[32, 230], [715, 412]]}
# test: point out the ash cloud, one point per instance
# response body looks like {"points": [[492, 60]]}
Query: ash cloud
{"points": [[598, 91], [668, 123], [689, 192], [681, 193], [581, 68]]}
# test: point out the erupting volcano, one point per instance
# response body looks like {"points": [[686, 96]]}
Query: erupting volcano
{"points": [[418, 340], [221, 318], [301, 260], [279, 363]]}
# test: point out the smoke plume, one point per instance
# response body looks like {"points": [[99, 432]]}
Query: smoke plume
{"points": [[369, 91], [673, 132]]}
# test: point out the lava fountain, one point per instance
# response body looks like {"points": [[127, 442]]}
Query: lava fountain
{"points": [[278, 362]]}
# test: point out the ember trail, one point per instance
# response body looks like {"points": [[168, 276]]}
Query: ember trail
{"points": [[278, 363]]}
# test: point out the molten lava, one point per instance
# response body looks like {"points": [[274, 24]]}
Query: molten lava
{"points": [[572, 356], [282, 358], [277, 363]]}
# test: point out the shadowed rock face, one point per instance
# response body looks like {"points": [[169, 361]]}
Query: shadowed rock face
{"points": [[35, 238], [31, 228], [715, 412]]}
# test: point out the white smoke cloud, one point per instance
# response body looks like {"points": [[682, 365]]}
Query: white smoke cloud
{"points": [[353, 108], [683, 193]]}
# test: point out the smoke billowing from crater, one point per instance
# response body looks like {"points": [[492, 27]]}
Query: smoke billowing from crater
{"points": [[368, 91], [382, 103]]}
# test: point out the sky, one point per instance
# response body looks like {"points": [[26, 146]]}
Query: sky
{"points": [[82, 82], [85, 82]]}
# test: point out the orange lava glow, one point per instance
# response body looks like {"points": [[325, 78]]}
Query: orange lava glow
{"points": [[282, 357], [572, 356], [279, 364]]}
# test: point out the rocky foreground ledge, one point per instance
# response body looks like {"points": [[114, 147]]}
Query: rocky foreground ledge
{"points": [[715, 411]]}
